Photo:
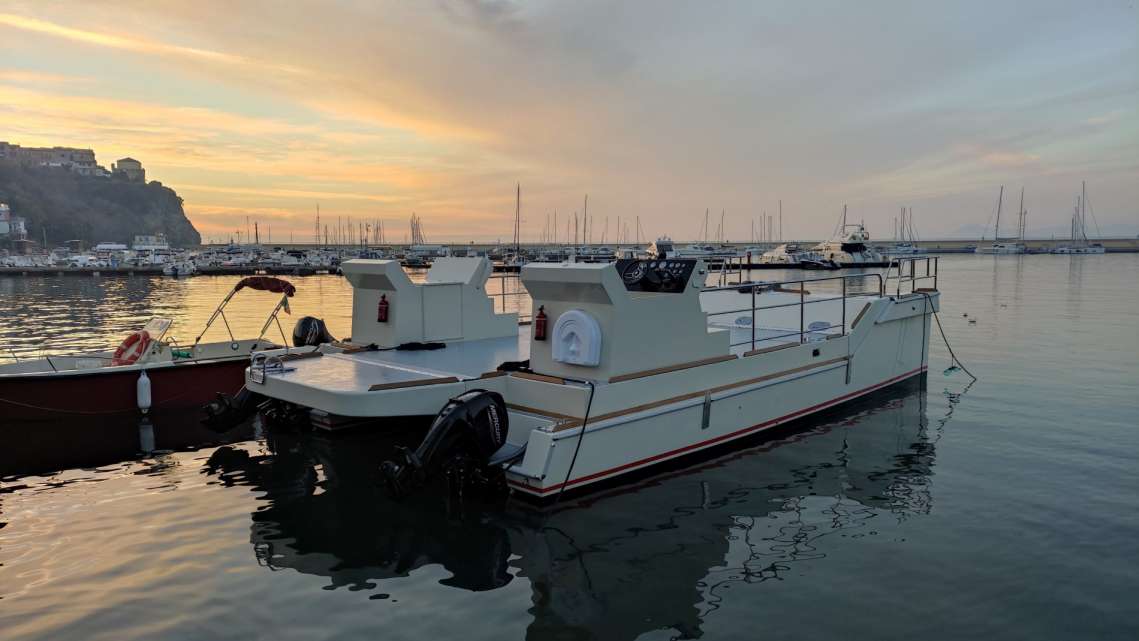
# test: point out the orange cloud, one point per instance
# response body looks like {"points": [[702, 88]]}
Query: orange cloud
{"points": [[134, 44]]}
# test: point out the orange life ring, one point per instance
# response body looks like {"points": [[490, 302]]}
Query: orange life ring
{"points": [[132, 347]]}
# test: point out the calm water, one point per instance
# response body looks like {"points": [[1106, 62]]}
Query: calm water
{"points": [[1008, 509]]}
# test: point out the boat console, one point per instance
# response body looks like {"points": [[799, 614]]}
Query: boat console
{"points": [[388, 309], [615, 320], [668, 275]]}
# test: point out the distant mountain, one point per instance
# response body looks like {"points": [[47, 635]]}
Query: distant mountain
{"points": [[93, 209]]}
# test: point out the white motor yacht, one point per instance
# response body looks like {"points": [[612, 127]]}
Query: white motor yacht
{"points": [[622, 366], [851, 249]]}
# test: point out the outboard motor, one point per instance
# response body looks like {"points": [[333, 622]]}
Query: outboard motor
{"points": [[310, 331], [468, 431], [225, 412]]}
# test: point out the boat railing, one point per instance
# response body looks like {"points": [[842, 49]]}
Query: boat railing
{"points": [[914, 271], [798, 286]]}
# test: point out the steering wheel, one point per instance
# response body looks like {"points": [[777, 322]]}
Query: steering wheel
{"points": [[634, 272]]}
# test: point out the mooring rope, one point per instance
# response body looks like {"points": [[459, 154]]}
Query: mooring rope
{"points": [[952, 357]]}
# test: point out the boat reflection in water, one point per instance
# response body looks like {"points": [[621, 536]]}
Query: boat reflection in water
{"points": [[94, 441], [614, 564]]}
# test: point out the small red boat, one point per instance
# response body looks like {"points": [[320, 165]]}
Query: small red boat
{"points": [[146, 373]]}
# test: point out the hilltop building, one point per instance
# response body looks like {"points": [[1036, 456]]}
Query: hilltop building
{"points": [[128, 169], [12, 227], [80, 161]]}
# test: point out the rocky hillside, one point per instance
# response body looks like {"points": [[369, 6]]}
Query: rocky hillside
{"points": [[70, 206]]}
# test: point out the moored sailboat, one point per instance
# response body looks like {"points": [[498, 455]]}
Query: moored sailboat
{"points": [[1079, 243], [998, 246]]}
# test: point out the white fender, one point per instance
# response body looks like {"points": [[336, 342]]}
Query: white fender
{"points": [[142, 392]]}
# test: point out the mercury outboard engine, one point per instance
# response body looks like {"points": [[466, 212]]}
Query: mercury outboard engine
{"points": [[310, 331], [464, 436], [227, 412]]}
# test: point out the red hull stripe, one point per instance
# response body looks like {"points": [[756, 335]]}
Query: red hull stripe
{"points": [[718, 439]]}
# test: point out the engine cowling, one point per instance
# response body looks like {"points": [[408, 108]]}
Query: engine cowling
{"points": [[464, 436], [310, 330]]}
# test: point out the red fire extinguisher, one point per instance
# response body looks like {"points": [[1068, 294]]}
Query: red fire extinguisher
{"points": [[540, 321], [382, 310]]}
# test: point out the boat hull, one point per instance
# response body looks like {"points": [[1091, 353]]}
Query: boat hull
{"points": [[107, 392], [889, 348]]}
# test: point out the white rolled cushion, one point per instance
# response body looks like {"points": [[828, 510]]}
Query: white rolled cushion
{"points": [[576, 339]]}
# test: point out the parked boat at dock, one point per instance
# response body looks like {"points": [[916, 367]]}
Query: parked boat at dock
{"points": [[148, 371], [999, 246], [622, 366], [851, 248], [1079, 243]]}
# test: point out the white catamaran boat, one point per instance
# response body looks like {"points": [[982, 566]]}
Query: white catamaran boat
{"points": [[623, 365]]}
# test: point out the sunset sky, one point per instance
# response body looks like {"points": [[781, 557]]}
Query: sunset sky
{"points": [[375, 110]]}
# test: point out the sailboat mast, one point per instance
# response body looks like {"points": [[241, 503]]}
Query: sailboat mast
{"points": [[780, 220], [1084, 209], [517, 217], [1020, 216], [997, 231], [585, 226]]}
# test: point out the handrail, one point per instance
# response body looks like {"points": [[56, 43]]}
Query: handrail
{"points": [[757, 288], [912, 277], [795, 281]]}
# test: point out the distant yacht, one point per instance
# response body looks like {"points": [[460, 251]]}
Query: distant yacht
{"points": [[1004, 247], [785, 254], [1079, 243], [664, 247], [851, 248]]}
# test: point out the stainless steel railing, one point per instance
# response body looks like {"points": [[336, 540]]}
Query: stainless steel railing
{"points": [[906, 270], [757, 289], [902, 271]]}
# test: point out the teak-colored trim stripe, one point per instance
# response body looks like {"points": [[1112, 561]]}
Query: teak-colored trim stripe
{"points": [[860, 313], [539, 377], [546, 413], [494, 374], [774, 348], [416, 383], [576, 422], [672, 368]]}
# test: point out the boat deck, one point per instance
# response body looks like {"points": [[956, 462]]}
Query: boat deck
{"points": [[368, 370]]}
